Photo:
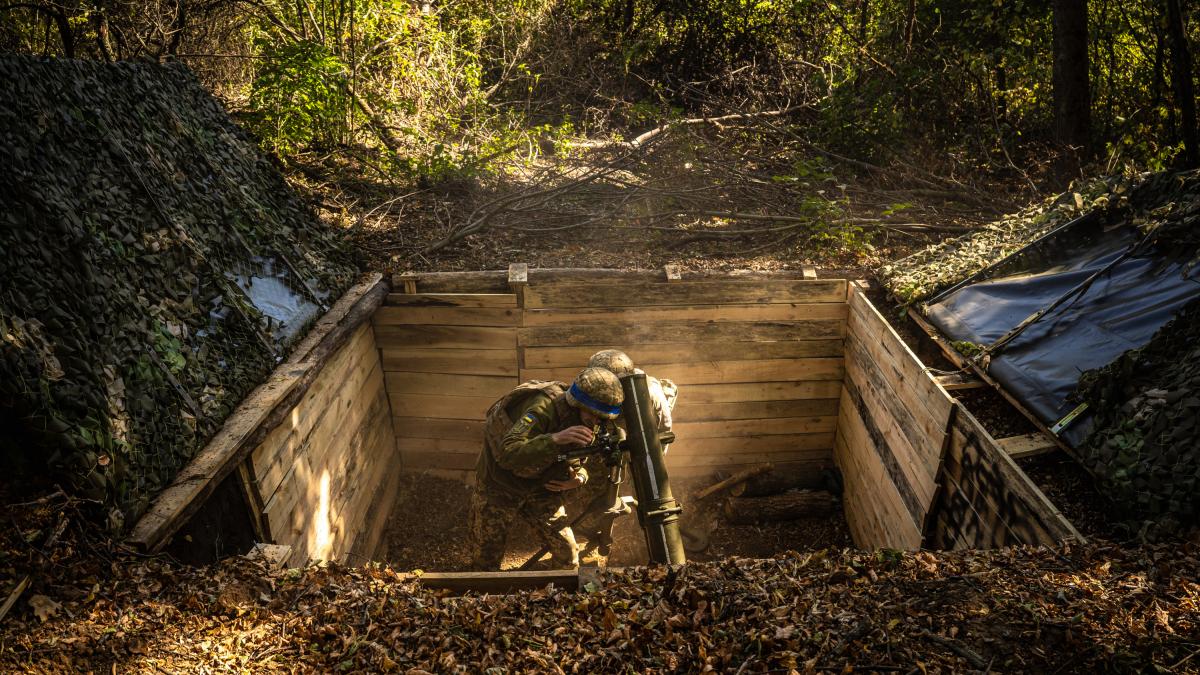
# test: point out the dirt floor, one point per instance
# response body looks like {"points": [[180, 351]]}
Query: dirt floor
{"points": [[428, 530]]}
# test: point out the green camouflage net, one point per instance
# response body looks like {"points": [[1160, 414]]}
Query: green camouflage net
{"points": [[923, 274], [149, 251], [1145, 442]]}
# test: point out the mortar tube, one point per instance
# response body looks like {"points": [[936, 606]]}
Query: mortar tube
{"points": [[658, 512]]}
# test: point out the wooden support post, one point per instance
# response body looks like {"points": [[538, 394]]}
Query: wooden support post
{"points": [[408, 281], [254, 500], [518, 279], [786, 506]]}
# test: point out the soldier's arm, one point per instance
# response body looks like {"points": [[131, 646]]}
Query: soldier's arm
{"points": [[527, 449]]}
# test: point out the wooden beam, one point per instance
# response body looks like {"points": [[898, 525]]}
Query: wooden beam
{"points": [[1027, 445], [500, 582], [959, 381]]}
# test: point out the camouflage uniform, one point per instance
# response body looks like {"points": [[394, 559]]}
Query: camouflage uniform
{"points": [[598, 525], [518, 458]]}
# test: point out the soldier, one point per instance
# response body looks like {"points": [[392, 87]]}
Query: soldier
{"points": [[606, 508], [518, 475]]}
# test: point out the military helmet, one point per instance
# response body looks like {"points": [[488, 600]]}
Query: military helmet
{"points": [[599, 391], [614, 361]]}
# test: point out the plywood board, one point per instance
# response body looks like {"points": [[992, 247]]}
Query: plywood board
{"points": [[451, 300], [687, 431], [399, 382], [432, 427], [647, 355], [625, 294], [718, 372], [445, 407], [672, 332], [447, 316], [760, 391], [451, 361], [445, 337], [698, 313], [752, 410]]}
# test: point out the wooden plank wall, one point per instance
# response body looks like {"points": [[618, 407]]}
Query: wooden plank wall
{"points": [[891, 430], [320, 471], [446, 358], [985, 500], [758, 362]]}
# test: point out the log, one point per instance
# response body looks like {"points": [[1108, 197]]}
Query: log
{"points": [[787, 506], [733, 480], [775, 483]]}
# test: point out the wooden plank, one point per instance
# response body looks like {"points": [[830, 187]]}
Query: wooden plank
{"points": [[1027, 445], [419, 460], [761, 391], [500, 582], [681, 469], [821, 443], [876, 440], [771, 312], [671, 272], [913, 437], [445, 337], [366, 545], [283, 485], [718, 372], [662, 333], [399, 382], [445, 407], [343, 376], [452, 300], [688, 431], [447, 446], [874, 506], [808, 272], [451, 361], [430, 427], [647, 356], [752, 410], [720, 459], [959, 381], [447, 316], [625, 294], [895, 359]]}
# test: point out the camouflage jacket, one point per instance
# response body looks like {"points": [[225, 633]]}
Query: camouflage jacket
{"points": [[518, 456]]}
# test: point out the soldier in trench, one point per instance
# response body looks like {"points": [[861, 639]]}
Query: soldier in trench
{"points": [[598, 498], [518, 475]]}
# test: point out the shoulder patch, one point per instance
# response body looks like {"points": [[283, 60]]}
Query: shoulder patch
{"points": [[527, 420]]}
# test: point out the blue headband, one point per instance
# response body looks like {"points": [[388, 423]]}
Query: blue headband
{"points": [[584, 399]]}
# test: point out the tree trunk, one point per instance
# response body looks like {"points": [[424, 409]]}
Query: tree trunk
{"points": [[787, 506], [1072, 95], [1181, 79]]}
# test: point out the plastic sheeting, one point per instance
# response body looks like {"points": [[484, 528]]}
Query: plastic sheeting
{"points": [[1121, 310]]}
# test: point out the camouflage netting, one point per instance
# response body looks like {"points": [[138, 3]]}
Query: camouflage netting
{"points": [[155, 268], [1145, 443], [942, 265]]}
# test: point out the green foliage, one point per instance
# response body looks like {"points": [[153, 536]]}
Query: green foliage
{"points": [[299, 95]]}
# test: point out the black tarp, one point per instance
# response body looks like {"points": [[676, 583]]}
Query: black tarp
{"points": [[1121, 310]]}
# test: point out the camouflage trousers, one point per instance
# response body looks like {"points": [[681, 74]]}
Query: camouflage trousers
{"points": [[493, 513], [598, 504]]}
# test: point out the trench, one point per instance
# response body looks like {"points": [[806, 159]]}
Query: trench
{"points": [[374, 459]]}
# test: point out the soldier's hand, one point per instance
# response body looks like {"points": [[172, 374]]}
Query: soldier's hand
{"points": [[577, 435], [577, 479]]}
